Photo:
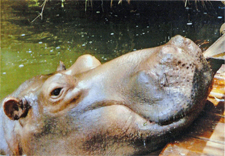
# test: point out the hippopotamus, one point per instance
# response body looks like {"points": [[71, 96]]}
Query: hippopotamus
{"points": [[130, 105]]}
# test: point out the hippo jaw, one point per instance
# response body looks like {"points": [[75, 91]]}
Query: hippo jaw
{"points": [[124, 126]]}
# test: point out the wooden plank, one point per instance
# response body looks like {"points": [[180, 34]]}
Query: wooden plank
{"points": [[174, 150], [208, 127], [206, 136], [218, 90], [193, 147], [212, 148], [218, 134], [200, 139]]}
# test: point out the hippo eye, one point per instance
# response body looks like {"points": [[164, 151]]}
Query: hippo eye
{"points": [[56, 91]]}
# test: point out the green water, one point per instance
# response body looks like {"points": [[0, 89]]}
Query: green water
{"points": [[29, 49]]}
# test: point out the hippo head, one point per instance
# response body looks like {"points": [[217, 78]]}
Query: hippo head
{"points": [[130, 105]]}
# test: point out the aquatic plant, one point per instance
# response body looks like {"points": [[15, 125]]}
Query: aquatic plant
{"points": [[42, 10]]}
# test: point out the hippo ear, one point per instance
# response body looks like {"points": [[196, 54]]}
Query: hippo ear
{"points": [[61, 66], [83, 64], [15, 108]]}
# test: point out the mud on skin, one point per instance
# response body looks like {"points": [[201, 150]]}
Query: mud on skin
{"points": [[130, 105]]}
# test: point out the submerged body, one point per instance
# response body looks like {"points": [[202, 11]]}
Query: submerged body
{"points": [[130, 105]]}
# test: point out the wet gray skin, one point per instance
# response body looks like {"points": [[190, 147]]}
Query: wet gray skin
{"points": [[131, 105]]}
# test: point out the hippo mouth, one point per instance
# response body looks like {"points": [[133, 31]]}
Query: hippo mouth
{"points": [[177, 118], [132, 122], [121, 109], [168, 117], [142, 124]]}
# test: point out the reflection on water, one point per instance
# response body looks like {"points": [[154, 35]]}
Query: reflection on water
{"points": [[29, 49]]}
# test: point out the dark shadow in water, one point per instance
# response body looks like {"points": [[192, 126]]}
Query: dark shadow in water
{"points": [[121, 28]]}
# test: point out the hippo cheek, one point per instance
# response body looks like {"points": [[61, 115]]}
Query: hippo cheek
{"points": [[108, 128]]}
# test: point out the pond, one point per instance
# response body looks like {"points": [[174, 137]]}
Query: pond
{"points": [[30, 48]]}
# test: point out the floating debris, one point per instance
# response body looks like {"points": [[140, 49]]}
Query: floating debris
{"points": [[21, 65]]}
